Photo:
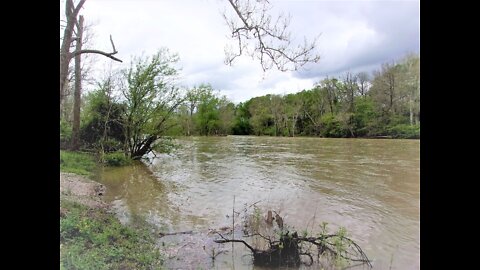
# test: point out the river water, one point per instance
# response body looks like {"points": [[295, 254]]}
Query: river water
{"points": [[370, 187]]}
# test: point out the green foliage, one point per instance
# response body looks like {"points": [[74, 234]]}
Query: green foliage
{"points": [[355, 106], [404, 131], [65, 130], [331, 127], [365, 116], [77, 162], [65, 133], [165, 145], [241, 125], [338, 241], [324, 228], [116, 159], [102, 126], [152, 106], [150, 99], [208, 115], [95, 239]]}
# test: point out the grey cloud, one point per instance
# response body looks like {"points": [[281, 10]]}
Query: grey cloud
{"points": [[396, 28], [355, 35]]}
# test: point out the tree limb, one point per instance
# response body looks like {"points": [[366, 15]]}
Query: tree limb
{"points": [[267, 38], [113, 45], [221, 241], [109, 55]]}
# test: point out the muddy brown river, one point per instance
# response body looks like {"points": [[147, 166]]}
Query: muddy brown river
{"points": [[370, 187]]}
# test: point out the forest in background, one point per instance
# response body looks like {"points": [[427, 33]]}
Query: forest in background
{"points": [[385, 103]]}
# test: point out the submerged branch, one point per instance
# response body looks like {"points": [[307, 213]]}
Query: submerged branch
{"points": [[174, 233]]}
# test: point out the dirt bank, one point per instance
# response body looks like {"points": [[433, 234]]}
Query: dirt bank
{"points": [[79, 189]]}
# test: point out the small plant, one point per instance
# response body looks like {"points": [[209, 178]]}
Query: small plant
{"points": [[116, 159]]}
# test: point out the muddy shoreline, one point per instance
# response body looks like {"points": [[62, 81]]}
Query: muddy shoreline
{"points": [[79, 189]]}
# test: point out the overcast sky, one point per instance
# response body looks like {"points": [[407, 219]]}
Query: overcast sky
{"points": [[356, 35]]}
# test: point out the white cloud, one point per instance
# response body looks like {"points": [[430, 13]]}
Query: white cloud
{"points": [[354, 35]]}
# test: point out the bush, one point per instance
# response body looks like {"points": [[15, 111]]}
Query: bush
{"points": [[116, 159], [404, 131], [65, 133], [331, 127]]}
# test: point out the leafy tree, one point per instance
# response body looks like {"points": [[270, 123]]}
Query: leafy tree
{"points": [[192, 101], [365, 117], [241, 124], [151, 97], [102, 127], [277, 112], [226, 115], [261, 115], [208, 116], [294, 106]]}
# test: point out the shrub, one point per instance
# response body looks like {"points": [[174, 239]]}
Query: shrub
{"points": [[331, 127], [116, 159], [404, 131], [65, 133]]}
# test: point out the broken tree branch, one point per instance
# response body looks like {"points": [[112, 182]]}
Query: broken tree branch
{"points": [[287, 248], [174, 233], [109, 55], [113, 45]]}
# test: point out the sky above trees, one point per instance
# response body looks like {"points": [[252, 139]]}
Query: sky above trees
{"points": [[354, 36]]}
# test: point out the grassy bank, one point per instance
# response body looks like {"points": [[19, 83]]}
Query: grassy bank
{"points": [[95, 239], [92, 237], [77, 162]]}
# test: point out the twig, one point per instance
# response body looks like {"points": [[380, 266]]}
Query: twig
{"points": [[225, 240], [309, 255], [113, 45]]}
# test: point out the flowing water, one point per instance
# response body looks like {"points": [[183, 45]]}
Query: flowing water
{"points": [[370, 187]]}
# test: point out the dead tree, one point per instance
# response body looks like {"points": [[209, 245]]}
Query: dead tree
{"points": [[259, 35], [71, 12], [78, 87]]}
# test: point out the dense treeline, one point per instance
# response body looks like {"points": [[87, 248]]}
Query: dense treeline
{"points": [[355, 105], [133, 110]]}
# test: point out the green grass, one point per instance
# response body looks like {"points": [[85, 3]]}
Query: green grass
{"points": [[95, 239], [116, 159], [77, 162]]}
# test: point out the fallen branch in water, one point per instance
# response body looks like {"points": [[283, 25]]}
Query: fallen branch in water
{"points": [[286, 252], [225, 240], [174, 233], [286, 248]]}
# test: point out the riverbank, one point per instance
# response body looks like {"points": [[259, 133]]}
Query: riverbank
{"points": [[91, 237]]}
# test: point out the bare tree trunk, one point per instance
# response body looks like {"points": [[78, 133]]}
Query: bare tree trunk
{"points": [[71, 12], [78, 88], [144, 148], [65, 55], [293, 126], [411, 110]]}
